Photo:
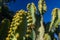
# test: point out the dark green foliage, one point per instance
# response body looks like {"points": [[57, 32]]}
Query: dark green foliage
{"points": [[4, 10], [4, 27], [29, 38], [47, 27], [6, 13]]}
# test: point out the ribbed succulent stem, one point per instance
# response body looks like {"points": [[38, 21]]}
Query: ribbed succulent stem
{"points": [[41, 30], [42, 9], [53, 18], [15, 24], [31, 21], [29, 27]]}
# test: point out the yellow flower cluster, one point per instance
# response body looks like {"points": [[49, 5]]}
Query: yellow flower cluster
{"points": [[30, 18], [16, 21], [31, 5], [42, 6], [29, 24]]}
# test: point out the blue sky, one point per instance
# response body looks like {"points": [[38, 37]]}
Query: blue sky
{"points": [[21, 4]]}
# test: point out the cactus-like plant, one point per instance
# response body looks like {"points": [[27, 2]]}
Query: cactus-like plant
{"points": [[55, 18], [24, 23], [15, 24], [54, 12], [31, 21], [42, 9], [57, 22], [42, 6]]}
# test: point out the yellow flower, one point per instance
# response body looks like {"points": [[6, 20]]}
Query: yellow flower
{"points": [[17, 35], [28, 30], [29, 20], [8, 35], [28, 6], [7, 38], [27, 35], [29, 24], [14, 28], [29, 16], [10, 31]]}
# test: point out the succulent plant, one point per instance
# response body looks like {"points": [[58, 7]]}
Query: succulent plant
{"points": [[55, 19], [42, 9], [42, 6], [15, 24], [31, 21], [26, 24]]}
